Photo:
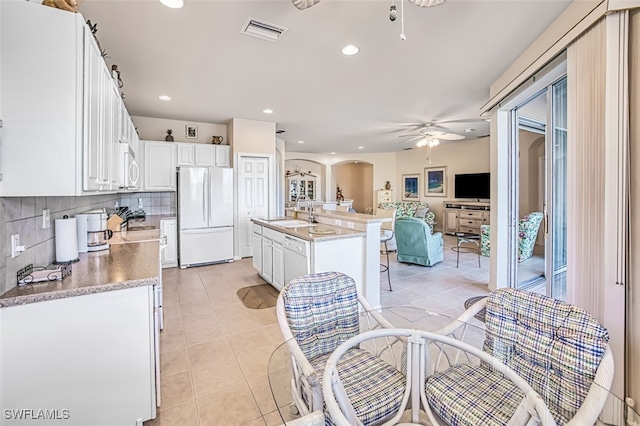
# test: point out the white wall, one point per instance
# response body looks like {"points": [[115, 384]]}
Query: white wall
{"points": [[251, 136], [469, 156], [384, 168], [155, 129]]}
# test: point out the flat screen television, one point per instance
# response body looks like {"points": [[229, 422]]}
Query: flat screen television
{"points": [[472, 185]]}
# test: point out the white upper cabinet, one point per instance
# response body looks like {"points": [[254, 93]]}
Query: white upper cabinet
{"points": [[159, 166], [60, 107], [223, 156], [205, 155]]}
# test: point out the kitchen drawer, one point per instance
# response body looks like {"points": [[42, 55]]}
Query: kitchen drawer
{"points": [[257, 229], [384, 193], [276, 236], [470, 214]]}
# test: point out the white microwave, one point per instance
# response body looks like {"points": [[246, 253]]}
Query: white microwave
{"points": [[129, 172]]}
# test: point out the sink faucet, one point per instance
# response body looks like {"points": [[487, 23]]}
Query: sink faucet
{"points": [[303, 197]]}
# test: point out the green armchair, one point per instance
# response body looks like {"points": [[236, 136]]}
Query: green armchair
{"points": [[527, 233], [416, 243]]}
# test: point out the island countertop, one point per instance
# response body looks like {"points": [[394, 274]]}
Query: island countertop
{"points": [[302, 232], [122, 266]]}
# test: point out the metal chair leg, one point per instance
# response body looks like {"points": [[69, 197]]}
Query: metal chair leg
{"points": [[388, 274]]}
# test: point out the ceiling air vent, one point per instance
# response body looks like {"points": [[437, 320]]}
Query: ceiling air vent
{"points": [[263, 30]]}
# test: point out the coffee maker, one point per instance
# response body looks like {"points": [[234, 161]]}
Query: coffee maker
{"points": [[92, 231]]}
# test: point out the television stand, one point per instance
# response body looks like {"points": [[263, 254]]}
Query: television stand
{"points": [[465, 216]]}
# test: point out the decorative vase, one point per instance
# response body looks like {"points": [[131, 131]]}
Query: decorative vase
{"points": [[169, 137], [387, 185]]}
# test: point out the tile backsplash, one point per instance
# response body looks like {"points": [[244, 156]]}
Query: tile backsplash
{"points": [[23, 215]]}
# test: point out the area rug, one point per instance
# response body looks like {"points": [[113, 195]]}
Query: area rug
{"points": [[259, 296], [469, 302]]}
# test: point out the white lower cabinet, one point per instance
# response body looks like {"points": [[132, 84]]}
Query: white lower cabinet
{"points": [[279, 257], [267, 259], [93, 357], [169, 239], [257, 248], [278, 266]]}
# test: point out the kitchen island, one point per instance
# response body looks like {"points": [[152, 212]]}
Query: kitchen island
{"points": [[85, 348], [345, 242]]}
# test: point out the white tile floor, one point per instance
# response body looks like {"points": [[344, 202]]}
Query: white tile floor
{"points": [[215, 352]]}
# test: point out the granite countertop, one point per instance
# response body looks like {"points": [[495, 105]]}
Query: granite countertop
{"points": [[122, 266], [302, 232], [351, 217]]}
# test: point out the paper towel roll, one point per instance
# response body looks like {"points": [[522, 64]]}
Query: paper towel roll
{"points": [[66, 240]]}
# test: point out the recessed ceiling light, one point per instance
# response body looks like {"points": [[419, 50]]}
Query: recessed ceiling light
{"points": [[469, 130], [486, 119], [333, 153], [300, 141], [267, 111], [164, 98], [173, 4], [350, 49], [356, 162], [361, 147]]}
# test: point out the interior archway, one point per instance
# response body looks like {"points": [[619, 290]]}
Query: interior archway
{"points": [[355, 179]]}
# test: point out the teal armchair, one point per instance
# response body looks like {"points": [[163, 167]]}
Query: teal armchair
{"points": [[416, 243]]}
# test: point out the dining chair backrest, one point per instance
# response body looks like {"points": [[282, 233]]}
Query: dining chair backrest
{"points": [[556, 347], [322, 311]]}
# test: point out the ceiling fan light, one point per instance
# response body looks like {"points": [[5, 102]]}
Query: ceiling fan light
{"points": [[427, 3], [173, 4]]}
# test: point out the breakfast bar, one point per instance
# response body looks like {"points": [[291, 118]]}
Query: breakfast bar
{"points": [[286, 248]]}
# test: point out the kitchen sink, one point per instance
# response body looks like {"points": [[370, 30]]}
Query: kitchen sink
{"points": [[292, 223]]}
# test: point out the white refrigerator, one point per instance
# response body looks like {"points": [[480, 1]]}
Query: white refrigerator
{"points": [[205, 215]]}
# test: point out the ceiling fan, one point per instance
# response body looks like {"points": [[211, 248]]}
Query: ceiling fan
{"points": [[432, 133], [430, 136], [304, 4]]}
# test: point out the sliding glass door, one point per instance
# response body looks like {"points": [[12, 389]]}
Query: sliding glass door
{"points": [[556, 222], [539, 207]]}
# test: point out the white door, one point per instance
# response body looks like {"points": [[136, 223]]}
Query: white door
{"points": [[253, 198]]}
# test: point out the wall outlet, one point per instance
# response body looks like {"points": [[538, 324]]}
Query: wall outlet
{"points": [[338, 222], [16, 248], [351, 225], [46, 218]]}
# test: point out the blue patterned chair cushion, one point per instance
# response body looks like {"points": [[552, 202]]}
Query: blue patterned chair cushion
{"points": [[322, 311], [472, 395], [556, 347], [374, 387]]}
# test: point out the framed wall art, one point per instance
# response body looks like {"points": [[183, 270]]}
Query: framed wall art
{"points": [[192, 132], [411, 187], [435, 179]]}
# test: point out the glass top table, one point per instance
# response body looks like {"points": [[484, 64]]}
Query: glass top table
{"points": [[615, 411], [279, 368]]}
